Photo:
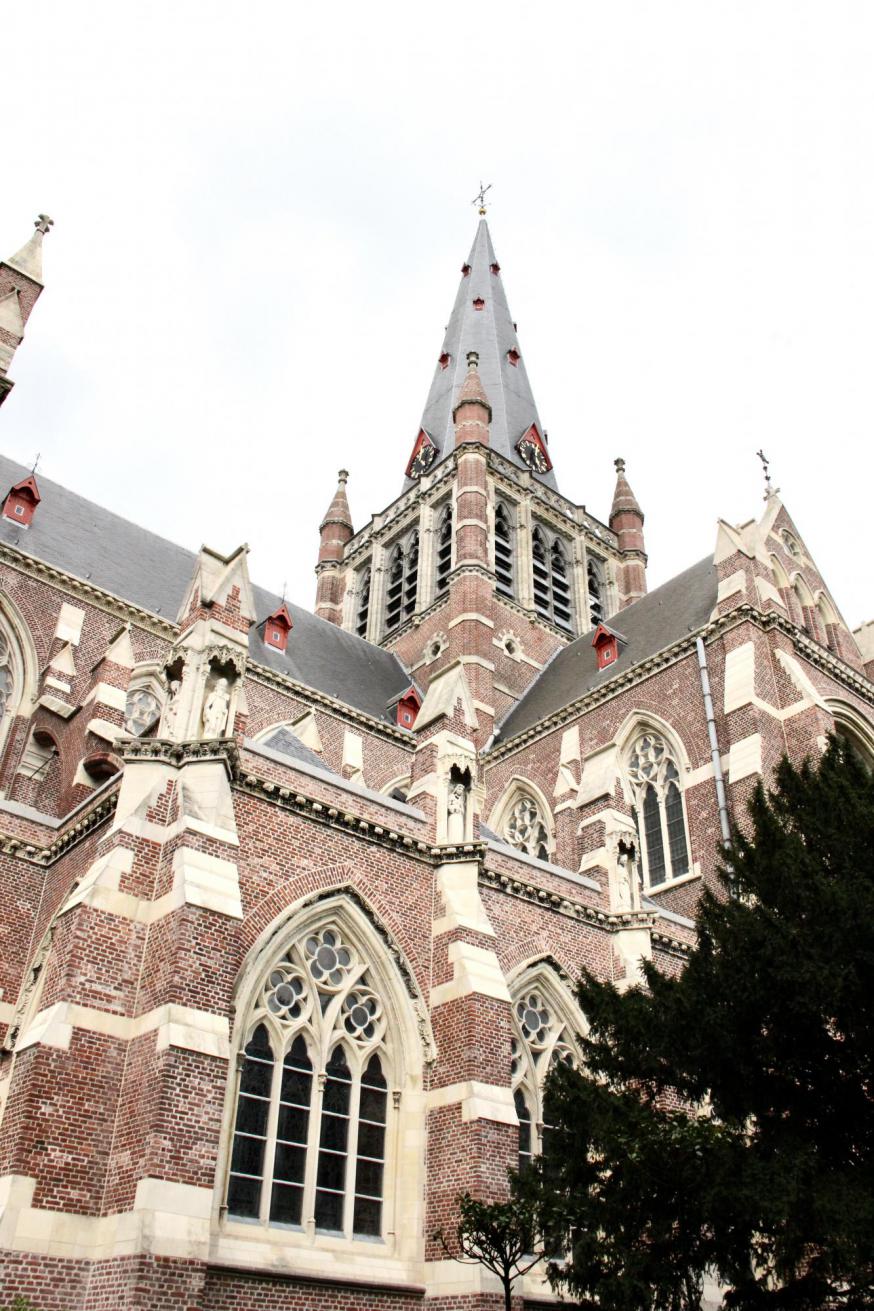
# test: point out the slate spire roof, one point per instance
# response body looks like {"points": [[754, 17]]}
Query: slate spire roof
{"points": [[28, 260], [481, 322], [624, 500]]}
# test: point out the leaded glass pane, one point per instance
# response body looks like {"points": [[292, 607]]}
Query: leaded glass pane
{"points": [[250, 1130], [652, 827], [676, 831], [333, 1143], [369, 1169]]}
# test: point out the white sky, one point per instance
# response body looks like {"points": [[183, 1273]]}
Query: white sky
{"points": [[261, 211]]}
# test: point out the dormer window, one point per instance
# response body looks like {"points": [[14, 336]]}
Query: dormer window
{"points": [[444, 360], [465, 270], [606, 644], [513, 357], [496, 268], [277, 628], [21, 501], [479, 303], [408, 708]]}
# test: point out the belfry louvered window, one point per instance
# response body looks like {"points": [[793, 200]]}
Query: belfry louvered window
{"points": [[363, 603], [658, 810], [309, 1142], [552, 595], [403, 578], [503, 551], [444, 548], [595, 582]]}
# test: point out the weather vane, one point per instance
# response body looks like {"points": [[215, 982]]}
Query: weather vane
{"points": [[36, 462], [480, 197], [769, 490]]}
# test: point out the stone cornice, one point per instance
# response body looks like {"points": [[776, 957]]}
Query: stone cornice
{"points": [[178, 754], [336, 817], [126, 611], [46, 856]]}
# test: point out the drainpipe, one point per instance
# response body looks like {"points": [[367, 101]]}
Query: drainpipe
{"points": [[724, 822]]}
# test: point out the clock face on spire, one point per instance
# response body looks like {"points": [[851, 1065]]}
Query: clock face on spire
{"points": [[423, 456], [532, 451]]}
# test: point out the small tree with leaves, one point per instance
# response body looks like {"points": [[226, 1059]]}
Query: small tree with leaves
{"points": [[502, 1236], [725, 1126]]}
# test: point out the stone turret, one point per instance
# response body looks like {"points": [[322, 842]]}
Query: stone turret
{"points": [[20, 286], [626, 520], [335, 531]]}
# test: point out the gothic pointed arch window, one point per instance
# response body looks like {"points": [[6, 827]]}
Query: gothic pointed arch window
{"points": [[504, 552], [321, 1071], [552, 594], [596, 586], [18, 668], [658, 811], [403, 578], [444, 548], [363, 614], [522, 819], [543, 1035]]}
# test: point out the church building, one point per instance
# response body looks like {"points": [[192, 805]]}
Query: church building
{"points": [[293, 901]]}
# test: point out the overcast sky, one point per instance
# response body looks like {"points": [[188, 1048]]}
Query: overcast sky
{"points": [[261, 210]]}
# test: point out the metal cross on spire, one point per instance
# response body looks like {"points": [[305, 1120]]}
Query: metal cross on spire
{"points": [[769, 490], [480, 197]]}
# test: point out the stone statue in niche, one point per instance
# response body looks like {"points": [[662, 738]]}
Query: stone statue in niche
{"points": [[456, 812], [215, 710], [171, 710], [627, 878]]}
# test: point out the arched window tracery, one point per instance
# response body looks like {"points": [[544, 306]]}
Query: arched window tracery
{"points": [[312, 1107], [526, 829], [504, 553], [552, 596], [18, 668], [658, 809], [542, 1037]]}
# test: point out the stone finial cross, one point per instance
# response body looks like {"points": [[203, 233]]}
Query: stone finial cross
{"points": [[42, 223]]}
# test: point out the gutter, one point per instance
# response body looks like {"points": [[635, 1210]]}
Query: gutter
{"points": [[724, 821]]}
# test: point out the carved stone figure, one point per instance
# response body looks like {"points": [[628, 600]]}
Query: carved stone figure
{"points": [[627, 880], [457, 810], [171, 710], [215, 710]]}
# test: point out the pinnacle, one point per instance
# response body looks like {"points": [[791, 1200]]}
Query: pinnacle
{"points": [[472, 390], [28, 260], [624, 500], [338, 510]]}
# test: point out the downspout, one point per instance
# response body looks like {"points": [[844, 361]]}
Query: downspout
{"points": [[724, 822]]}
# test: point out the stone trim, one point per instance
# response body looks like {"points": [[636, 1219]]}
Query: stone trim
{"points": [[479, 1101], [176, 1026]]}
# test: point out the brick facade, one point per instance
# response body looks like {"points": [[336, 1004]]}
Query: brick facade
{"points": [[155, 877]]}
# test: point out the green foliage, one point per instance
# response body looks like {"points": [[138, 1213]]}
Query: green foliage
{"points": [[729, 1126], [502, 1236], [19, 1303]]}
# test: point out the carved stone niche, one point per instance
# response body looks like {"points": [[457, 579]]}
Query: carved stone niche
{"points": [[221, 687], [146, 694], [623, 867], [459, 820]]}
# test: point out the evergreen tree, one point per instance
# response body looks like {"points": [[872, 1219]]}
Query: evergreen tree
{"points": [[724, 1127]]}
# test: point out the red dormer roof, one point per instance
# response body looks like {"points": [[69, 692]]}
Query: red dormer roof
{"points": [[606, 643], [408, 707], [21, 501], [277, 626]]}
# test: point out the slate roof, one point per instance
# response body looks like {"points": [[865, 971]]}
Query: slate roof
{"points": [[100, 547], [492, 333], [678, 607], [290, 745]]}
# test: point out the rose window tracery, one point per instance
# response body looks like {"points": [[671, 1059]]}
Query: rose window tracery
{"points": [[329, 960]]}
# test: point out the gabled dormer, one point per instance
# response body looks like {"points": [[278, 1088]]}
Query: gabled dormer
{"points": [[21, 501], [277, 627]]}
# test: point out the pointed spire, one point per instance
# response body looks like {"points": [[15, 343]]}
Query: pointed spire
{"points": [[338, 511], [624, 500], [28, 260], [481, 321], [335, 530], [626, 520]]}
